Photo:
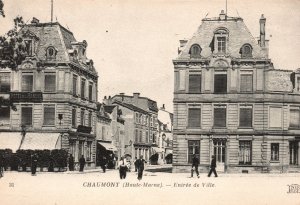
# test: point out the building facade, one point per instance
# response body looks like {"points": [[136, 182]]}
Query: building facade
{"points": [[140, 115], [53, 92], [229, 101]]}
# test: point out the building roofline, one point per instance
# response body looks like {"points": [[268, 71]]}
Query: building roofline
{"points": [[49, 24]]}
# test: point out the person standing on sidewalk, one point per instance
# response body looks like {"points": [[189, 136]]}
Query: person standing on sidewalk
{"points": [[103, 164], [140, 167], [34, 160], [122, 167], [213, 166], [81, 163], [71, 163], [195, 164], [2, 159]]}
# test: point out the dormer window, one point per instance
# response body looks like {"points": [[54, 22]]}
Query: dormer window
{"points": [[195, 51], [246, 51], [28, 47], [220, 41], [51, 53]]}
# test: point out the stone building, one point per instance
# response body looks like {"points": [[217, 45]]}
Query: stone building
{"points": [[54, 92], [229, 101], [140, 115]]}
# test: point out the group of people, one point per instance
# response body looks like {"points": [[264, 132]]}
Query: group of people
{"points": [[124, 166], [196, 162]]}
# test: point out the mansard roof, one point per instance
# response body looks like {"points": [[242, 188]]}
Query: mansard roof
{"points": [[238, 35]]}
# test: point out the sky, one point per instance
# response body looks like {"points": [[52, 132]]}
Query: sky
{"points": [[133, 42]]}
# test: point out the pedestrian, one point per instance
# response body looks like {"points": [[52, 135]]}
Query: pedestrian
{"points": [[34, 160], [81, 163], [71, 163], [135, 164], [122, 168], [103, 163], [2, 159], [195, 164], [140, 167], [213, 166]]}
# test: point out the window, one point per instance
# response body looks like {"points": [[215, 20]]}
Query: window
{"points": [[220, 117], [220, 83], [136, 135], [151, 121], [193, 148], [50, 82], [28, 47], [274, 151], [195, 51], [295, 117], [141, 136], [136, 117], [221, 44], [246, 51], [26, 113], [4, 115], [4, 82], [75, 85], [181, 76], [275, 117], [73, 117], [90, 119], [298, 84], [103, 133], [245, 116], [147, 137], [82, 120], [49, 115], [82, 88], [195, 83], [89, 151], [294, 147], [246, 83], [80, 149], [90, 91], [51, 53], [27, 83], [194, 117], [72, 147], [154, 138], [245, 155]]}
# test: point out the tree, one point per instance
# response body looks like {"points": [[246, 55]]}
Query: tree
{"points": [[12, 47], [1, 8]]}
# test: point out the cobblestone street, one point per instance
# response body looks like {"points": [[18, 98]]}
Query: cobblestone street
{"points": [[160, 188]]}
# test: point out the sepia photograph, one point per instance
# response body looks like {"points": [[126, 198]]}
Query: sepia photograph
{"points": [[149, 102]]}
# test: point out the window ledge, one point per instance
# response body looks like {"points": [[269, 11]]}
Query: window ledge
{"points": [[48, 125], [294, 128], [274, 162], [248, 128]]}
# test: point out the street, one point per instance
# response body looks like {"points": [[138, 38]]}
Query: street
{"points": [[155, 188]]}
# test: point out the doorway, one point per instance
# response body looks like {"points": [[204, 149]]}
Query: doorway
{"points": [[293, 150], [220, 153]]}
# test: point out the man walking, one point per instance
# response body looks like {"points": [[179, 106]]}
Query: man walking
{"points": [[33, 164], [140, 167], [81, 163], [122, 167], [103, 163], [195, 164], [2, 159], [213, 166]]}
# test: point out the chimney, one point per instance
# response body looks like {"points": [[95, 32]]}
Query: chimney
{"points": [[163, 107], [262, 37], [182, 44], [35, 20], [122, 95], [222, 15], [136, 98], [105, 101]]}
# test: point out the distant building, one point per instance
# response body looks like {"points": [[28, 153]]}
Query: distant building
{"points": [[140, 115], [54, 92], [165, 139], [230, 102]]}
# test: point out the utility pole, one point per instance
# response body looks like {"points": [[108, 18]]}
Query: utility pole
{"points": [[51, 11]]}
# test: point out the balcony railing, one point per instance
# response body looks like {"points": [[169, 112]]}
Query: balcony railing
{"points": [[36, 97]]}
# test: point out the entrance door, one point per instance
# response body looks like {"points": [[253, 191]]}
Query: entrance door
{"points": [[220, 153], [294, 152]]}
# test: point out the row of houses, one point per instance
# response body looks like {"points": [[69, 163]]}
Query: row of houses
{"points": [[51, 102]]}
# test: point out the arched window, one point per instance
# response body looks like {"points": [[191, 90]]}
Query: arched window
{"points": [[246, 51], [195, 51], [51, 53]]}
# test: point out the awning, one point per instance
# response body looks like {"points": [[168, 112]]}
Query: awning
{"points": [[108, 146], [10, 140], [41, 141]]}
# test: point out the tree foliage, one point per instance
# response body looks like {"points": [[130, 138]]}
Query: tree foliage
{"points": [[12, 46], [1, 8]]}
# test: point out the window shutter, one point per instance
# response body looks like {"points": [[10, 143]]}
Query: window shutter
{"points": [[27, 83], [220, 117], [195, 83], [26, 116], [246, 84], [245, 117], [50, 83], [194, 117]]}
